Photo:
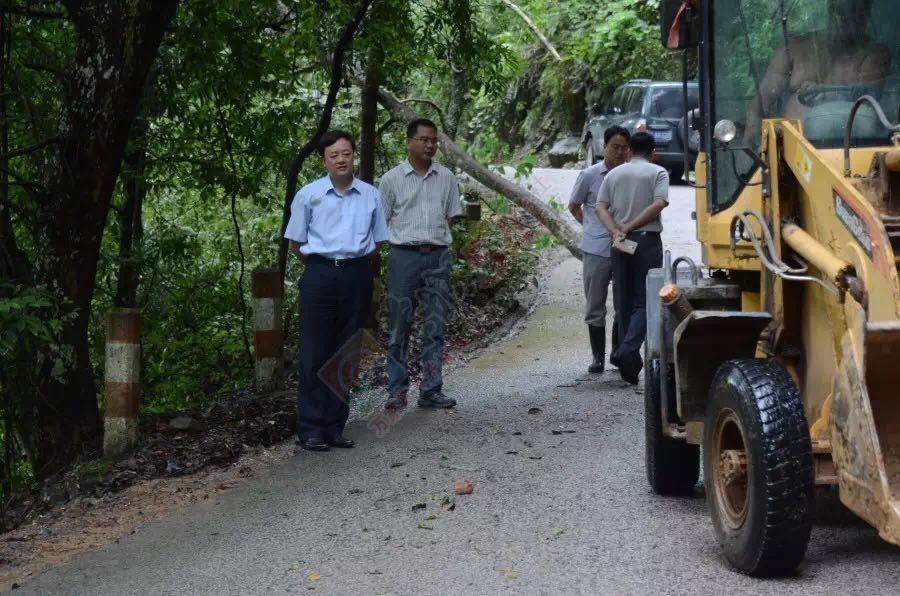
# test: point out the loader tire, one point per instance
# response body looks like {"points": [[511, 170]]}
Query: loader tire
{"points": [[758, 467], [673, 466]]}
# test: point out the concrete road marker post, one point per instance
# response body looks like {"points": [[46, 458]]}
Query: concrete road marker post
{"points": [[268, 332], [122, 392]]}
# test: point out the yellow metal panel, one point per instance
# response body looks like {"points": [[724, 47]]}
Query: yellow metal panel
{"points": [[713, 229]]}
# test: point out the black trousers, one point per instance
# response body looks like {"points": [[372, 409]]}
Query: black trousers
{"points": [[630, 290], [334, 305]]}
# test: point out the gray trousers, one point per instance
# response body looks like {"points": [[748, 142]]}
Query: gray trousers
{"points": [[597, 273], [415, 278]]}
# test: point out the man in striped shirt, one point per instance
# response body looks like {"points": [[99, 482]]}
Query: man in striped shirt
{"points": [[420, 198]]}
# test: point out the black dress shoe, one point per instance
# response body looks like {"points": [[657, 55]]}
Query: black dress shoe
{"points": [[340, 442], [630, 365], [436, 399], [313, 444], [395, 402]]}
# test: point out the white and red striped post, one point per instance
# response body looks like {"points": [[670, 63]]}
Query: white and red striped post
{"points": [[122, 393], [268, 332]]}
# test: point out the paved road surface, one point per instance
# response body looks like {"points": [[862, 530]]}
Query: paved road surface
{"points": [[550, 513]]}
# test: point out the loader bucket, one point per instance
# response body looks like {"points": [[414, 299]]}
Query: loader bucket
{"points": [[865, 425]]}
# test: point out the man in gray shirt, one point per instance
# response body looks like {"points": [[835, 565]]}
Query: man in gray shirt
{"points": [[420, 198], [630, 202], [595, 243]]}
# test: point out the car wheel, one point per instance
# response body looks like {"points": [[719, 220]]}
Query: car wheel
{"points": [[758, 467], [589, 152]]}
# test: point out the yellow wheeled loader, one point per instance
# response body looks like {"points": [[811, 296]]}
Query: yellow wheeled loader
{"points": [[780, 360]]}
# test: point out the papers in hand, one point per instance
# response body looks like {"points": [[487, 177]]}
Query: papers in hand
{"points": [[625, 245]]}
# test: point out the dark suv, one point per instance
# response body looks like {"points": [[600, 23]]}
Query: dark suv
{"points": [[639, 105]]}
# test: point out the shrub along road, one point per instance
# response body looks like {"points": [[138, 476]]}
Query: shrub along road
{"points": [[559, 503]]}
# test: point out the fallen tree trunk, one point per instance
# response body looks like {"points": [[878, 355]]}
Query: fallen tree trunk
{"points": [[453, 154]]}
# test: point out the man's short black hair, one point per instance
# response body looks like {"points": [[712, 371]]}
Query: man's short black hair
{"points": [[330, 138], [413, 127], [614, 130], [642, 144]]}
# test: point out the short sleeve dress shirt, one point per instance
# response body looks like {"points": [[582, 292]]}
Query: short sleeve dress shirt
{"points": [[595, 238], [631, 188], [417, 207], [339, 226]]}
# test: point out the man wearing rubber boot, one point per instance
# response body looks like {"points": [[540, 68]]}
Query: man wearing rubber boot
{"points": [[631, 200], [595, 241]]}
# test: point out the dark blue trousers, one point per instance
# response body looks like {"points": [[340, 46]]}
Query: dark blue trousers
{"points": [[334, 305], [630, 290]]}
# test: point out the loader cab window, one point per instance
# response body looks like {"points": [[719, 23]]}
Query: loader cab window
{"points": [[827, 54]]}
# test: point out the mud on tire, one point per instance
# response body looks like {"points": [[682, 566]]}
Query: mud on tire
{"points": [[758, 467]]}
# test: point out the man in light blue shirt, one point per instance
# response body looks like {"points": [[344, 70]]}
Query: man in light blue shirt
{"points": [[336, 228], [595, 243]]}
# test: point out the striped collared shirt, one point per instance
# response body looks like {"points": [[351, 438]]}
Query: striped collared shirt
{"points": [[417, 207], [327, 223]]}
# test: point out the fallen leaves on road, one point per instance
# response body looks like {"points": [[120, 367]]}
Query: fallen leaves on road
{"points": [[425, 524], [464, 487]]}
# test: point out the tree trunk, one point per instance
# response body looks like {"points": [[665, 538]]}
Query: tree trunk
{"points": [[115, 44], [337, 75], [515, 193], [13, 264], [368, 115], [459, 100], [131, 228]]}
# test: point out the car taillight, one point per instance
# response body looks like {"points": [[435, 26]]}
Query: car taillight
{"points": [[641, 126]]}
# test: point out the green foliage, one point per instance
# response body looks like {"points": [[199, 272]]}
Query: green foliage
{"points": [[556, 205], [495, 256], [487, 148], [525, 165], [237, 88], [28, 317], [601, 44], [544, 241]]}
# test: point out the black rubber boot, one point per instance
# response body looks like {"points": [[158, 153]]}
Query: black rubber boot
{"points": [[598, 348]]}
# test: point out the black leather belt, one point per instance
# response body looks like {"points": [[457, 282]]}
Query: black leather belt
{"points": [[426, 248], [644, 233], [337, 262]]}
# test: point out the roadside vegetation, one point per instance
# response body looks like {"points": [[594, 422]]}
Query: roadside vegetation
{"points": [[148, 151]]}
